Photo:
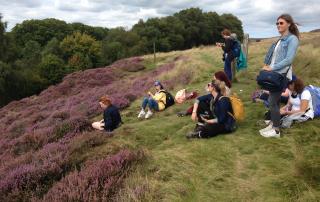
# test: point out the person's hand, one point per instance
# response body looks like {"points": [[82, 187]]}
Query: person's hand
{"points": [[204, 119], [149, 93], [218, 44], [194, 116], [267, 68], [283, 112]]}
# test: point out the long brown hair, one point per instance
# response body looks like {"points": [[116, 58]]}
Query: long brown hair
{"points": [[298, 86], [293, 26]]}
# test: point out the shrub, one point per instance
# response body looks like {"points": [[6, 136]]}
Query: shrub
{"points": [[97, 181]]}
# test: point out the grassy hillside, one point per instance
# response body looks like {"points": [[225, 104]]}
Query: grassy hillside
{"points": [[240, 167], [151, 160]]}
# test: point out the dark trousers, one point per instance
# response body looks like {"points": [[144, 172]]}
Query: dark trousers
{"points": [[211, 130], [274, 106], [227, 67]]}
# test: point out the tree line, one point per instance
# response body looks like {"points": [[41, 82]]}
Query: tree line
{"points": [[39, 53]]}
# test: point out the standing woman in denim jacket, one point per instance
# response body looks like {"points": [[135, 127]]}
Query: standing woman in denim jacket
{"points": [[279, 59]]}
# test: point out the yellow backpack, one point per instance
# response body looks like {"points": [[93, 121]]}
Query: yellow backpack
{"points": [[237, 107]]}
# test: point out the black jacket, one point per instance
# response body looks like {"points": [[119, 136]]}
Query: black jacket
{"points": [[112, 118], [229, 43], [222, 108]]}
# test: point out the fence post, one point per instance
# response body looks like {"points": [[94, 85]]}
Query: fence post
{"points": [[245, 45]]}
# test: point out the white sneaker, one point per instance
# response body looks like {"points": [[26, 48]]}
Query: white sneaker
{"points": [[141, 114], [149, 114], [271, 133], [269, 127], [267, 122]]}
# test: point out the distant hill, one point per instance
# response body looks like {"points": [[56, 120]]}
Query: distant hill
{"points": [[316, 30]]}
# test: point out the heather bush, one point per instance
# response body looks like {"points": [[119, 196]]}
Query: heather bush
{"points": [[46, 136], [97, 181], [47, 166]]}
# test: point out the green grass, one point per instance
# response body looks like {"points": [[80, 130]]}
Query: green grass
{"points": [[242, 166]]}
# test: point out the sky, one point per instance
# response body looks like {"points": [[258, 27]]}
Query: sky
{"points": [[258, 16]]}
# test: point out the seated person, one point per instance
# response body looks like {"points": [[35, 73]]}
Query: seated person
{"points": [[111, 116], [299, 107], [156, 102], [204, 100], [222, 110]]}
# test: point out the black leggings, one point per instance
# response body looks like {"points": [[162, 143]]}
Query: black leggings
{"points": [[211, 130]]}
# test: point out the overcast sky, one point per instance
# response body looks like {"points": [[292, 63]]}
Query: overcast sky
{"points": [[258, 16]]}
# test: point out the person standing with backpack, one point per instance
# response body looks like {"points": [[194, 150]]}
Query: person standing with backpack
{"points": [[155, 102], [279, 60], [230, 52]]}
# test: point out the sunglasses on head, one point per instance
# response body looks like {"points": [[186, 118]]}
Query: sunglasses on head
{"points": [[279, 23]]}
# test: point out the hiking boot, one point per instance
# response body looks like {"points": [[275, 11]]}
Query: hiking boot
{"points": [[141, 114], [193, 134], [149, 114]]}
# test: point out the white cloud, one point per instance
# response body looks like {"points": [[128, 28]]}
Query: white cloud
{"points": [[258, 16]]}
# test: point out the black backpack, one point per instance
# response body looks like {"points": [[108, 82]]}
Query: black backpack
{"points": [[169, 99]]}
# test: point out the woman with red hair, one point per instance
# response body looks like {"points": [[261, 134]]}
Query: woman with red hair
{"points": [[111, 116]]}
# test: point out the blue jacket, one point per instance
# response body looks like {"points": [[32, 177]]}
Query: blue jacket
{"points": [[112, 118], [288, 48], [221, 108]]}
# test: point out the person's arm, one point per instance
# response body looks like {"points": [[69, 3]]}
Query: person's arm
{"points": [[303, 108], [284, 110], [203, 98], [210, 121], [304, 105], [292, 49], [194, 111]]}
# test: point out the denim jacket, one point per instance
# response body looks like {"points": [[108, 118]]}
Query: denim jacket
{"points": [[288, 48]]}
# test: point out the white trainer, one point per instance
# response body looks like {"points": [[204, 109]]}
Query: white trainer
{"points": [[271, 133], [269, 127], [141, 114], [149, 114]]}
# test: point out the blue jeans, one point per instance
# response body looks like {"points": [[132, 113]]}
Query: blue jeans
{"points": [[153, 105], [227, 67]]}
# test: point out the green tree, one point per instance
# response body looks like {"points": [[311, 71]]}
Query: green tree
{"points": [[40, 31], [79, 61], [3, 44], [52, 47], [81, 47], [112, 51], [52, 68]]}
